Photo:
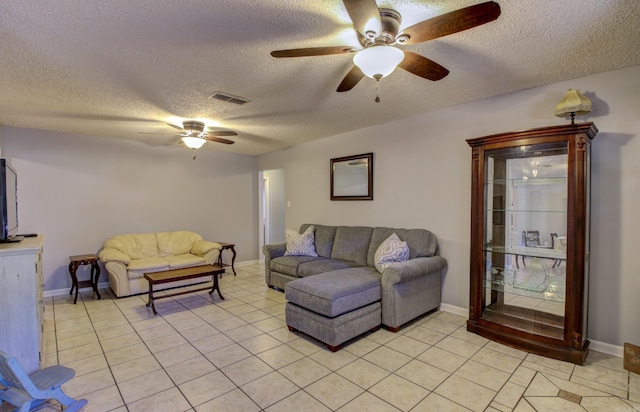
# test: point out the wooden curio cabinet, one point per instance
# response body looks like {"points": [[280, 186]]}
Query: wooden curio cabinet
{"points": [[530, 196]]}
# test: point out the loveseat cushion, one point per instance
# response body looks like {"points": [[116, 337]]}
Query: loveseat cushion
{"points": [[352, 243], [137, 246], [334, 293], [176, 243], [184, 260], [324, 236], [289, 264], [323, 265]]}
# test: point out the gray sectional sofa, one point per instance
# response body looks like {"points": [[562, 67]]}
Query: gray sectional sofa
{"points": [[340, 294]]}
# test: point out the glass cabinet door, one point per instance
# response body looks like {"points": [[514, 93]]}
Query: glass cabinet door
{"points": [[525, 239]]}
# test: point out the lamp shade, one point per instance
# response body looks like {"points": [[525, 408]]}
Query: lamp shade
{"points": [[378, 61], [573, 103], [193, 142]]}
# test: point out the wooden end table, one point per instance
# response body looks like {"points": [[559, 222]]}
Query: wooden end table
{"points": [[174, 275], [78, 260], [225, 246]]}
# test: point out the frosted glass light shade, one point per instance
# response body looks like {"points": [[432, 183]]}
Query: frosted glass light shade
{"points": [[573, 103], [194, 142], [378, 61]]}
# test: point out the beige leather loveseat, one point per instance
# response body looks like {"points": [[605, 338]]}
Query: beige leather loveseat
{"points": [[128, 257]]}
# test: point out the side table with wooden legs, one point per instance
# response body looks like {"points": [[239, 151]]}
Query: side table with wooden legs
{"points": [[232, 247], [89, 259]]}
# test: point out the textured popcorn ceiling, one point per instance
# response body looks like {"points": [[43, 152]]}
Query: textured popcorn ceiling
{"points": [[115, 68]]}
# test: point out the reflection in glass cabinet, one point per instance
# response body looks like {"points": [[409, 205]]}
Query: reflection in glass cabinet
{"points": [[529, 240]]}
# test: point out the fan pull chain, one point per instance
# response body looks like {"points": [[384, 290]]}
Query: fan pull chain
{"points": [[194, 154], [377, 92]]}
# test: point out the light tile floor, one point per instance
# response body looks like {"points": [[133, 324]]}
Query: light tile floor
{"points": [[238, 355]]}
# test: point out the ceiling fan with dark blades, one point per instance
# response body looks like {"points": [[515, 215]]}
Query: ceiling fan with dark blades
{"points": [[193, 128], [378, 33], [197, 129]]}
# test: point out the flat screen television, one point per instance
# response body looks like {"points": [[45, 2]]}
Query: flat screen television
{"points": [[8, 203]]}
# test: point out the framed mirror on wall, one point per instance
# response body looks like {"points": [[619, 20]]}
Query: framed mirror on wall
{"points": [[352, 177]]}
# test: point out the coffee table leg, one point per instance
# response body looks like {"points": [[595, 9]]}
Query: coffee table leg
{"points": [[216, 286], [150, 301]]}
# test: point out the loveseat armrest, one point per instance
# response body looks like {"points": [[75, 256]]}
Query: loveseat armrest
{"points": [[118, 277], [209, 250], [272, 251], [412, 269], [109, 254], [202, 247]]}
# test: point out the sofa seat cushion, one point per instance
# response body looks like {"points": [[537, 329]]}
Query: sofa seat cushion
{"points": [[289, 264], [334, 293], [184, 260], [316, 267], [148, 263], [138, 267]]}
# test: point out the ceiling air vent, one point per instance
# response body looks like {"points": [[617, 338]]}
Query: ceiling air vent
{"points": [[226, 97]]}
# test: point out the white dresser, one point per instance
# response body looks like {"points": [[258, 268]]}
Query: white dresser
{"points": [[21, 304]]}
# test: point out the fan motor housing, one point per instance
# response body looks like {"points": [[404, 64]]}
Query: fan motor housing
{"points": [[193, 125], [390, 24]]}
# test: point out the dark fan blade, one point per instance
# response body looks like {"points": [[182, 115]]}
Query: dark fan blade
{"points": [[221, 133], [364, 14], [313, 51], [453, 22], [219, 140], [176, 127], [423, 67], [351, 79]]}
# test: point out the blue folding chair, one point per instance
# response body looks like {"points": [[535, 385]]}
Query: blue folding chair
{"points": [[27, 391]]}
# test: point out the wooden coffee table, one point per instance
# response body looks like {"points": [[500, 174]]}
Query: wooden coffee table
{"points": [[174, 275]]}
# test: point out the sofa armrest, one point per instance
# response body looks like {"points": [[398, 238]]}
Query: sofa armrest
{"points": [[271, 251], [412, 269], [274, 250], [203, 247], [108, 255]]}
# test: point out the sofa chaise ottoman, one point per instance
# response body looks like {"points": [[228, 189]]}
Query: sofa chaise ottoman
{"points": [[335, 292], [128, 257]]}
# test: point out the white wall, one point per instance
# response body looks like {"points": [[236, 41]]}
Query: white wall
{"points": [[422, 179], [80, 190], [277, 211]]}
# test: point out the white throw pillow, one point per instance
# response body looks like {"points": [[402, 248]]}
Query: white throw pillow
{"points": [[391, 250], [300, 244]]}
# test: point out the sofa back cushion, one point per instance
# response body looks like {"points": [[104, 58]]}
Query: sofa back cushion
{"points": [[421, 242], [137, 246], [352, 243], [324, 236], [176, 243]]}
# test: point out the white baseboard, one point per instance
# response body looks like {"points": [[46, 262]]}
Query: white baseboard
{"points": [[457, 310], [595, 345], [65, 291]]}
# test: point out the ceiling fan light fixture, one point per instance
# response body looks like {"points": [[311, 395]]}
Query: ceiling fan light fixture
{"points": [[378, 61], [193, 142]]}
